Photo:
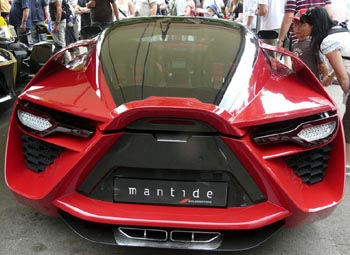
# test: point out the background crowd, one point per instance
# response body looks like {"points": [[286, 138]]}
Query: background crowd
{"points": [[310, 28], [28, 15]]}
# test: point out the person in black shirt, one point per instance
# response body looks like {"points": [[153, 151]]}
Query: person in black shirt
{"points": [[234, 10], [103, 12], [20, 19], [80, 8]]}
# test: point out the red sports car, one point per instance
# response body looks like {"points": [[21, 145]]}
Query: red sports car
{"points": [[179, 133]]}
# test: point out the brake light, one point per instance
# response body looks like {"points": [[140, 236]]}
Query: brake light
{"points": [[34, 122], [41, 122], [311, 133], [306, 132]]}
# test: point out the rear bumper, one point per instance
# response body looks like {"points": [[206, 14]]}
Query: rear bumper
{"points": [[92, 210], [174, 238]]}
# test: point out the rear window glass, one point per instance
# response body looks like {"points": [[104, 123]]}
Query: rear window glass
{"points": [[165, 57]]}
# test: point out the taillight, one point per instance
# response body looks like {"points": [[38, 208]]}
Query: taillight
{"points": [[307, 131], [312, 133], [36, 120]]}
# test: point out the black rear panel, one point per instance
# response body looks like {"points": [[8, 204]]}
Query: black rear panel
{"points": [[172, 158]]}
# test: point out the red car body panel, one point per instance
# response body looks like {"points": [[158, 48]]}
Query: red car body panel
{"points": [[86, 94], [180, 217]]}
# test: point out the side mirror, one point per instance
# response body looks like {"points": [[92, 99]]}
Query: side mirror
{"points": [[90, 32], [267, 34]]}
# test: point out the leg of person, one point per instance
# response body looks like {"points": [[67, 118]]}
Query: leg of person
{"points": [[59, 36], [34, 31], [41, 31], [70, 38]]}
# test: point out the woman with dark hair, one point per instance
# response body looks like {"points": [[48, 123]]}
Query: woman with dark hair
{"points": [[234, 10], [333, 41]]}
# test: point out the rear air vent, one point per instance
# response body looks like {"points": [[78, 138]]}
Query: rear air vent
{"points": [[193, 236], [310, 166], [39, 154], [173, 235], [144, 234], [184, 239]]}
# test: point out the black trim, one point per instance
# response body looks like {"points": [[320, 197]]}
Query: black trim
{"points": [[311, 165], [195, 158], [230, 240], [39, 154]]}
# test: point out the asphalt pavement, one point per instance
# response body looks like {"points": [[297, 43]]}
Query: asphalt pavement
{"points": [[26, 232]]}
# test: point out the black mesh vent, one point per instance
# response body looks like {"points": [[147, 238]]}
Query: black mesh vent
{"points": [[310, 166], [39, 154]]}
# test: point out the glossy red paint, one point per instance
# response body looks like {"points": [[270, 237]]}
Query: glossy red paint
{"points": [[168, 216], [282, 187], [269, 96]]}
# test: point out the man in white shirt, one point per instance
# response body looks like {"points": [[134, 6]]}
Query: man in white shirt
{"points": [[249, 16], [177, 7], [341, 10], [145, 7], [271, 14]]}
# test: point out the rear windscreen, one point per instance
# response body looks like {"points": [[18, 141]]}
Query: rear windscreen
{"points": [[170, 57]]}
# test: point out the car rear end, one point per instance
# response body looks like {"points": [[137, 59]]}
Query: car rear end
{"points": [[177, 133]]}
